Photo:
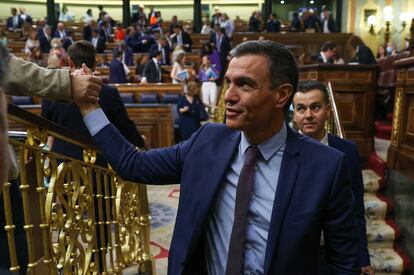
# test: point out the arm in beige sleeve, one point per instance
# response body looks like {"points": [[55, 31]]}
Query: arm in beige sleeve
{"points": [[26, 78], [4, 152]]}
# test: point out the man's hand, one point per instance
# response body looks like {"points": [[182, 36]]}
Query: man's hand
{"points": [[85, 90], [85, 86], [367, 270]]}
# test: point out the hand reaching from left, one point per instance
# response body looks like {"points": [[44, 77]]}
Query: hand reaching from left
{"points": [[85, 90]]}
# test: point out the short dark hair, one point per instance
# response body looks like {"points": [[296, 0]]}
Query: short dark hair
{"points": [[329, 45], [155, 53], [282, 63], [82, 52], [309, 85]]}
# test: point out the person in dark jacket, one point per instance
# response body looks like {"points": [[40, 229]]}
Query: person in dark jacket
{"points": [[363, 54], [117, 73], [98, 41], [295, 24], [152, 71], [272, 24], [191, 111], [255, 22]]}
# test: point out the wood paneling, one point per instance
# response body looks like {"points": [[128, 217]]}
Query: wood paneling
{"points": [[401, 151], [354, 94], [155, 121]]}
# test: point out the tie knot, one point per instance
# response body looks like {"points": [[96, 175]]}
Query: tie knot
{"points": [[252, 153]]}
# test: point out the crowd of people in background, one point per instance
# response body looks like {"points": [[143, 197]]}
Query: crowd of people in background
{"points": [[168, 46]]}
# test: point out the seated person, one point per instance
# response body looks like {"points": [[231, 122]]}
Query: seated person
{"points": [[327, 53]]}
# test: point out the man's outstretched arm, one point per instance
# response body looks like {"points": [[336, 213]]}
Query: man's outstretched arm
{"points": [[26, 78]]}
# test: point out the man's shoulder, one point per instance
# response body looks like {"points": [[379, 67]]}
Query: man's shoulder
{"points": [[341, 144], [314, 150]]}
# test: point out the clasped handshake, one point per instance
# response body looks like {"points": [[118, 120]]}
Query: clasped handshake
{"points": [[85, 89]]}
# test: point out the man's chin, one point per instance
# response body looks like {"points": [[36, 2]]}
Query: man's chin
{"points": [[233, 125]]}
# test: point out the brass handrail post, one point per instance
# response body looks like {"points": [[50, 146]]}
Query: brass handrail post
{"points": [[9, 228], [28, 227], [338, 125]]}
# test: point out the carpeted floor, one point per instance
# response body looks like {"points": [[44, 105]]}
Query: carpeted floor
{"points": [[163, 202]]}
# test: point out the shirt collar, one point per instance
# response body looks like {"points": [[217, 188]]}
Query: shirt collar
{"points": [[268, 148], [324, 57], [324, 140]]}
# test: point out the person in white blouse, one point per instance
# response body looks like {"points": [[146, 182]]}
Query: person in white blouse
{"points": [[31, 43], [227, 24], [65, 15], [88, 16]]}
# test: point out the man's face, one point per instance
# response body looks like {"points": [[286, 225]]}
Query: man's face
{"points": [[13, 12], [330, 53], [310, 113], [250, 103], [61, 27]]}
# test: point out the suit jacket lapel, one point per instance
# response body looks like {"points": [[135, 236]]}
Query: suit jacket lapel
{"points": [[218, 160], [286, 184]]}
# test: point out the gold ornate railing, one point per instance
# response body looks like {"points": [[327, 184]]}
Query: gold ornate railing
{"points": [[333, 124], [79, 218]]}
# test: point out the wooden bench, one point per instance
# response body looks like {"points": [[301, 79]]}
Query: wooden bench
{"points": [[14, 36], [310, 42], [354, 90], [137, 89], [16, 46]]}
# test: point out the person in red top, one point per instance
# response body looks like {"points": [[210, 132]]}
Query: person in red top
{"points": [[119, 32]]}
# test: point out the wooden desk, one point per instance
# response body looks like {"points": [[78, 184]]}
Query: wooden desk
{"points": [[155, 121], [16, 46], [310, 42], [401, 150], [137, 89], [354, 89]]}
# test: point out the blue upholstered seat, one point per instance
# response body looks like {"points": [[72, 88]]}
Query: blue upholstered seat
{"points": [[170, 98], [22, 100], [148, 98]]}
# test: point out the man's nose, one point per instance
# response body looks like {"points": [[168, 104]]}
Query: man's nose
{"points": [[308, 114], [231, 94]]}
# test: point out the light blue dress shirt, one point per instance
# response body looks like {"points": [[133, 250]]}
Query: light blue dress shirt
{"points": [[220, 221]]}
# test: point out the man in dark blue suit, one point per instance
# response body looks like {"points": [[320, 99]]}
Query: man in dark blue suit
{"points": [[250, 201], [311, 110], [60, 32], [223, 45], [272, 24], [98, 41], [45, 39], [117, 73], [127, 56], [163, 47], [15, 21], [68, 115]]}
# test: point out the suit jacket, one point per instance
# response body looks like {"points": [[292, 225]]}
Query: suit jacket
{"points": [[129, 56], [312, 194], [69, 116], [151, 72], [273, 26], [67, 43], [10, 23], [44, 44], [57, 34], [364, 55], [355, 176], [225, 47], [87, 33], [186, 39], [117, 72], [26, 78], [101, 45], [167, 50]]}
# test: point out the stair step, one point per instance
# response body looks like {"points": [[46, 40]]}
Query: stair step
{"points": [[386, 261], [371, 181], [382, 234], [383, 130], [376, 206]]}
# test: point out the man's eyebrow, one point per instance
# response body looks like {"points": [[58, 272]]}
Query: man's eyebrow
{"points": [[246, 79]]}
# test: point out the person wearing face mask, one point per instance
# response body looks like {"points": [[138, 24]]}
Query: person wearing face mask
{"points": [[390, 49]]}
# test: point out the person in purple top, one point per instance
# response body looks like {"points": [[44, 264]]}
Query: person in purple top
{"points": [[212, 54], [208, 76]]}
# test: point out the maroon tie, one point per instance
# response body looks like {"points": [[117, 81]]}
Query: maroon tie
{"points": [[235, 261]]}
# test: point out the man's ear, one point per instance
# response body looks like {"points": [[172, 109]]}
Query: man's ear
{"points": [[71, 65], [284, 94]]}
